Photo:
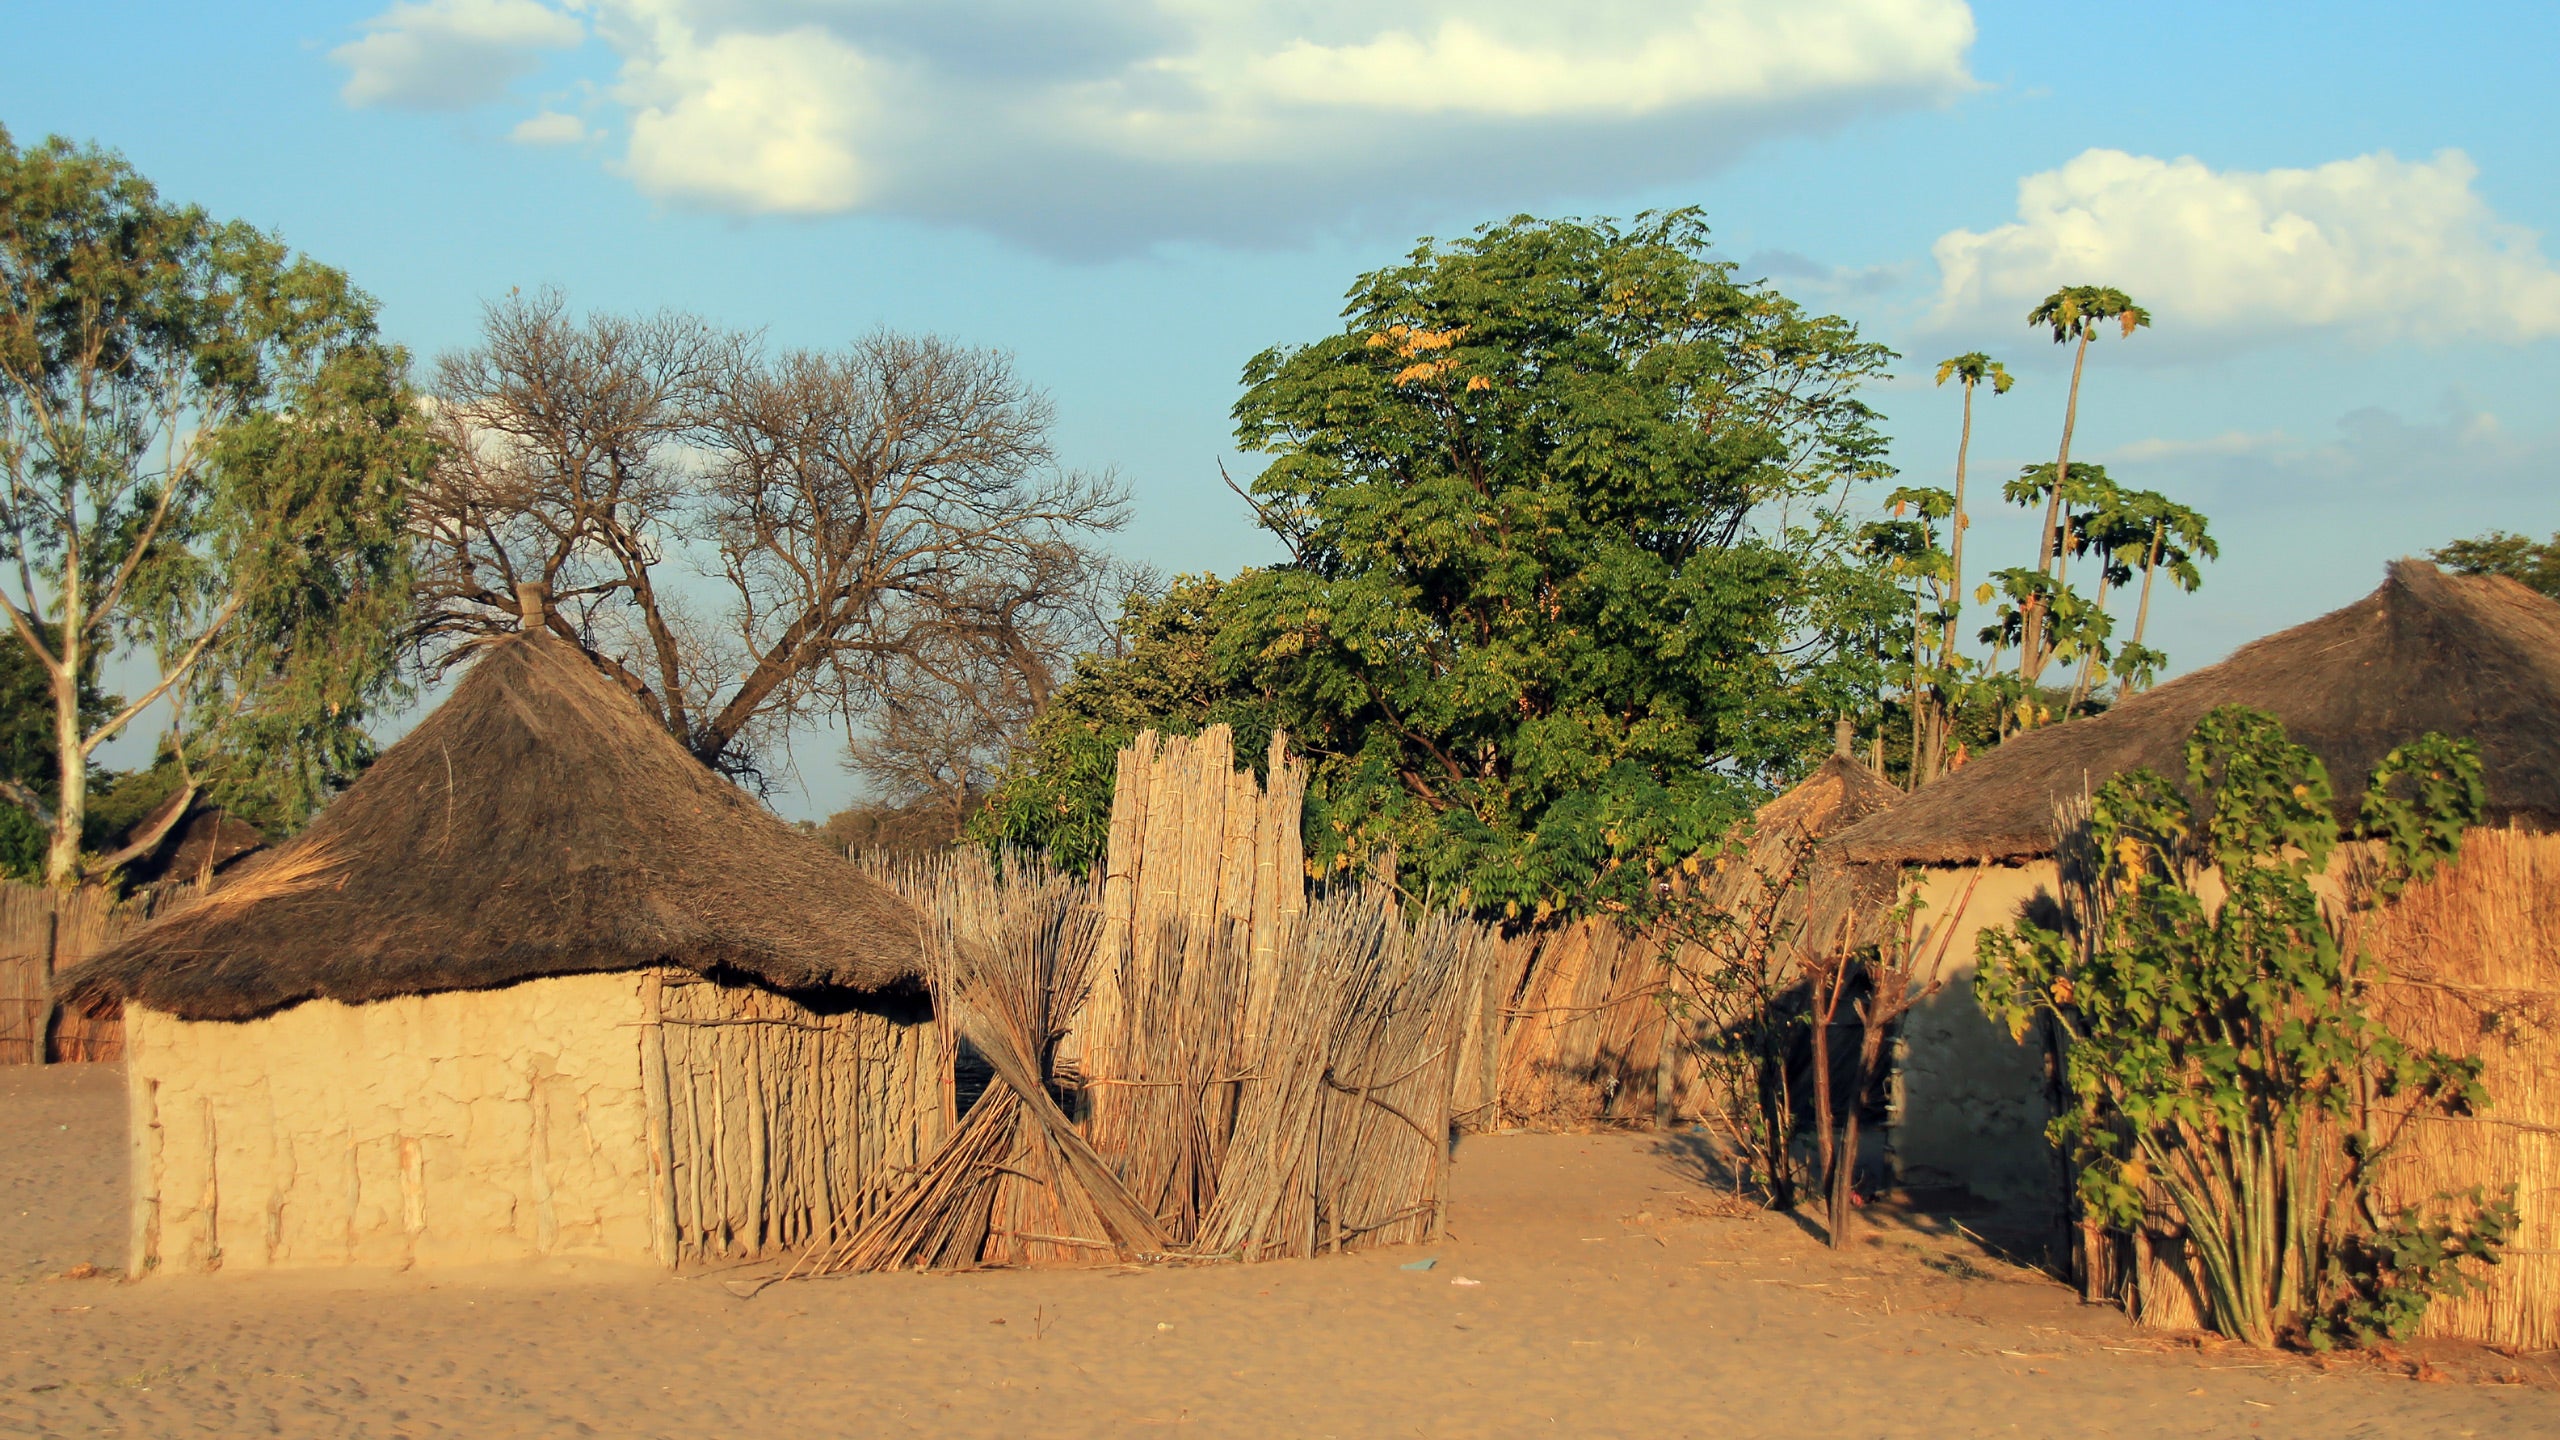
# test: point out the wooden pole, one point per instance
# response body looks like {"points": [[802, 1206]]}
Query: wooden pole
{"points": [[43, 1037], [660, 1124]]}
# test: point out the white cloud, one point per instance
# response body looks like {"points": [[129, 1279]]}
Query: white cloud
{"points": [[548, 127], [2375, 246], [753, 122], [450, 54], [1099, 124], [2227, 444], [1555, 60]]}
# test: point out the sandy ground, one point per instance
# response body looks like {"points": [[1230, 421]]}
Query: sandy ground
{"points": [[1613, 1295]]}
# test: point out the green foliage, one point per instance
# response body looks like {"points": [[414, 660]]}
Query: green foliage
{"points": [[2218, 1038], [2384, 1279], [206, 448], [1564, 596], [2534, 563]]}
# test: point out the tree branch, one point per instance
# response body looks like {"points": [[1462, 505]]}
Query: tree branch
{"points": [[175, 674]]}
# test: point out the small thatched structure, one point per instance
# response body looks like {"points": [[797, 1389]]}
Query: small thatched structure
{"points": [[2473, 956], [539, 984], [1578, 1008]]}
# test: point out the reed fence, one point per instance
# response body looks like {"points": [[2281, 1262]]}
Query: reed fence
{"points": [[2471, 965], [44, 932], [1193, 1057]]}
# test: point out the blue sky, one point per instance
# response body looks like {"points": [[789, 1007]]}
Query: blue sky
{"points": [[2337, 213]]}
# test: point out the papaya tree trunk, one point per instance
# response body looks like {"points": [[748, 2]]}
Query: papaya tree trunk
{"points": [[2030, 654]]}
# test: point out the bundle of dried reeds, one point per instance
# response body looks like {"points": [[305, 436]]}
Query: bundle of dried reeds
{"points": [[1343, 1139], [1009, 954], [1254, 1080]]}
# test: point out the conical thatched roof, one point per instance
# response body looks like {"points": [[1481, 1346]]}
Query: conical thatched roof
{"points": [[538, 823], [2473, 657], [1830, 903]]}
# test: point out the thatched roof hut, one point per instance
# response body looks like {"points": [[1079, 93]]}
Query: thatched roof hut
{"points": [[538, 823], [539, 985], [2474, 657]]}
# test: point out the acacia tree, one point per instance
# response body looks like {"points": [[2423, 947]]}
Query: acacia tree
{"points": [[205, 446], [945, 716], [752, 541], [2074, 313]]}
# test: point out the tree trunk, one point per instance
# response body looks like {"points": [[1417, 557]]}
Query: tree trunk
{"points": [[2030, 654], [2150, 564], [71, 760], [1955, 546], [1774, 1105], [2088, 658], [1843, 1193]]}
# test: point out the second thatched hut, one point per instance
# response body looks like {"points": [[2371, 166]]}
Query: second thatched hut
{"points": [[2472, 955]]}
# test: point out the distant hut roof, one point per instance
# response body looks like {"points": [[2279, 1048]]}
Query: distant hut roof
{"points": [[1839, 793], [205, 840], [2474, 657], [538, 823]]}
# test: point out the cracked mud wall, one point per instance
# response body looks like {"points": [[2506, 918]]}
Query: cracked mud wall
{"points": [[1973, 1105], [460, 1128]]}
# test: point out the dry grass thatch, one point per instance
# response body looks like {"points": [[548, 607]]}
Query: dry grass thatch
{"points": [[2475, 657], [2471, 960], [538, 823]]}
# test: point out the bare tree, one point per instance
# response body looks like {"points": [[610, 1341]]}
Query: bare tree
{"points": [[751, 542], [946, 714]]}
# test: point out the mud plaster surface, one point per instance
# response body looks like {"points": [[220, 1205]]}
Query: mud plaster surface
{"points": [[449, 1129], [1973, 1098], [1616, 1298]]}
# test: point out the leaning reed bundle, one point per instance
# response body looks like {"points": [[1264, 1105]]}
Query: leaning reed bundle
{"points": [[1009, 952]]}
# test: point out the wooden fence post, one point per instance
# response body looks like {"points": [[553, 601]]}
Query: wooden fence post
{"points": [[42, 1038]]}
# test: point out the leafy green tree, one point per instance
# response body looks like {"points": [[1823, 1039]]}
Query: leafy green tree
{"points": [[2219, 1040], [1568, 583], [2536, 564], [205, 447], [2075, 314]]}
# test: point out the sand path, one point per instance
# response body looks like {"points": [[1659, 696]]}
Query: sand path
{"points": [[1608, 1304]]}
